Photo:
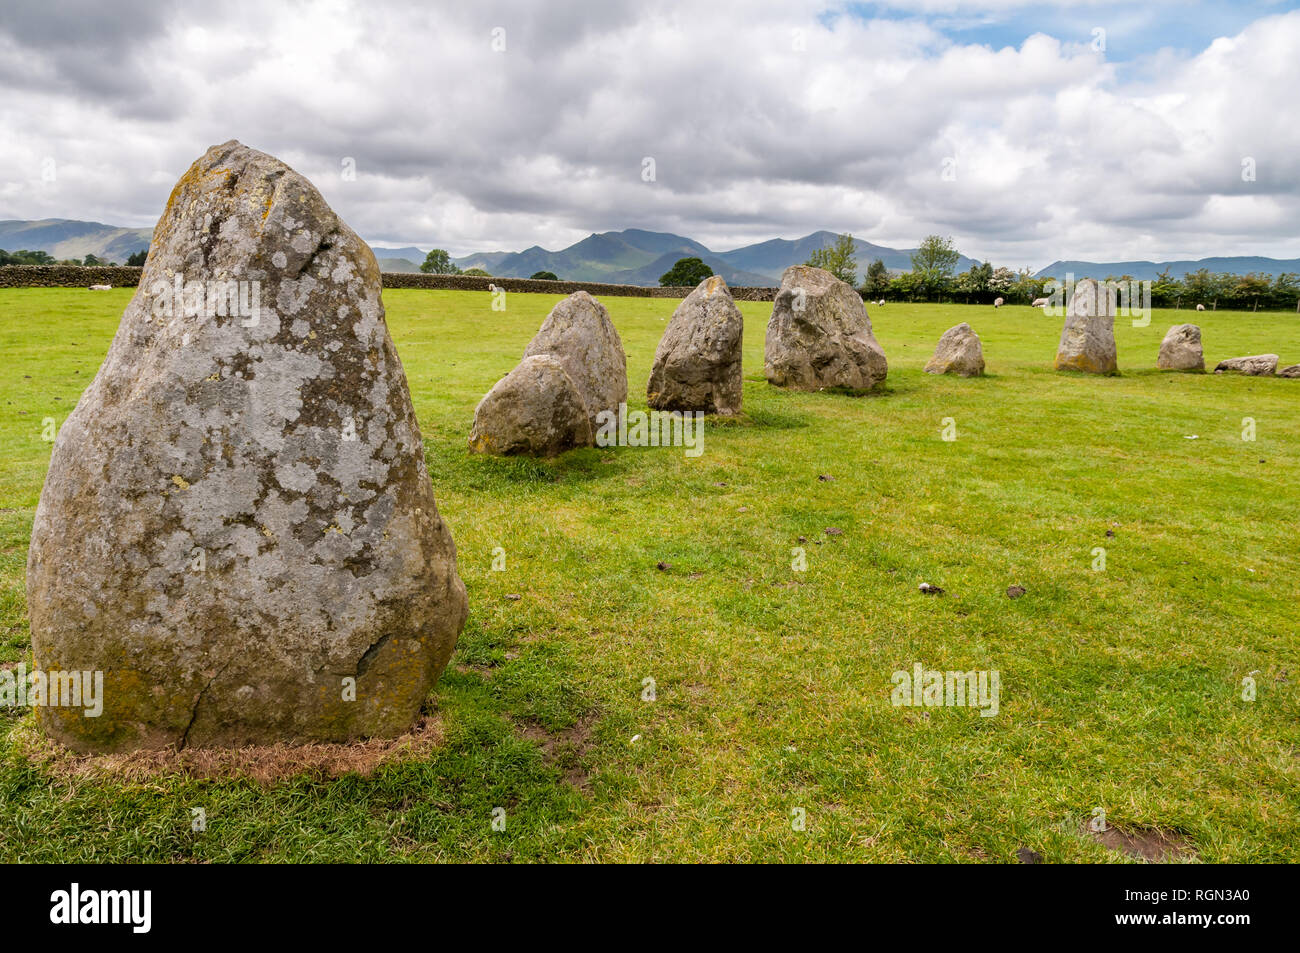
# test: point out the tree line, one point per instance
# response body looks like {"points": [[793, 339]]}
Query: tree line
{"points": [[934, 277], [28, 257]]}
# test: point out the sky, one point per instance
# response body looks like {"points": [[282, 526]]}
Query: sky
{"points": [[1029, 132]]}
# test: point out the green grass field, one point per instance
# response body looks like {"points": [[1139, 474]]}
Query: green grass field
{"points": [[1120, 689]]}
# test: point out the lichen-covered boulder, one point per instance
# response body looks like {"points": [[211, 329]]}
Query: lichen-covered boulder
{"points": [[237, 527], [579, 333], [1292, 372], [1088, 338], [1256, 365], [697, 365], [958, 352], [536, 410], [1181, 349], [819, 335]]}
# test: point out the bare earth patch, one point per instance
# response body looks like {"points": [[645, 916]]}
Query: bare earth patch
{"points": [[1149, 844], [566, 748], [264, 764]]}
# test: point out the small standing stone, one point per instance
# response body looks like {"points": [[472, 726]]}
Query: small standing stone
{"points": [[958, 352], [697, 364], [573, 369], [1181, 349], [1088, 338], [820, 336], [534, 410]]}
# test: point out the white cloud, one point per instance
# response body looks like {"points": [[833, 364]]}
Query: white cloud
{"points": [[1059, 153]]}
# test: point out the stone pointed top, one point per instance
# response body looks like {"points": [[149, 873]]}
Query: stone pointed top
{"points": [[1092, 298], [712, 284]]}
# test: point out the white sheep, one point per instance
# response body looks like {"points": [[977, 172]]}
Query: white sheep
{"points": [[1200, 307], [997, 302], [1040, 303], [101, 288], [880, 303]]}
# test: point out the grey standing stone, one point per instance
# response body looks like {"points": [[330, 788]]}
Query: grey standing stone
{"points": [[1088, 338], [237, 522], [819, 335], [959, 352], [573, 369], [579, 333], [1257, 365], [535, 410], [697, 364], [1181, 349]]}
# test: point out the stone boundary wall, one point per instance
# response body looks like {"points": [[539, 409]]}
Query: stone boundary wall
{"points": [[79, 276], [68, 276]]}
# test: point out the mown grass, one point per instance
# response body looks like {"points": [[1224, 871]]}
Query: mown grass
{"points": [[1120, 688]]}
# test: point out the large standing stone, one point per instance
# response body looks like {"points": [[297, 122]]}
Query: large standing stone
{"points": [[1257, 365], [237, 523], [697, 363], [579, 333], [958, 352], [1088, 338], [536, 410], [1181, 349], [819, 335]]}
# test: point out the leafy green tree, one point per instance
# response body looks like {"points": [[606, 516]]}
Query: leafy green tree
{"points": [[936, 254], [1165, 290], [548, 276], [1286, 291], [25, 257], [838, 259], [93, 261], [1026, 287], [477, 273], [686, 273], [877, 279], [438, 262], [933, 264], [978, 277], [905, 286], [137, 258]]}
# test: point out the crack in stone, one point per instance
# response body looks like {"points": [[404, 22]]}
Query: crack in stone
{"points": [[325, 244], [194, 714], [369, 654]]}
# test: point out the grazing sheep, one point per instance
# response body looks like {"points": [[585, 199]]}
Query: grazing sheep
{"points": [[1040, 303], [101, 288], [997, 302], [1200, 307], [880, 303]]}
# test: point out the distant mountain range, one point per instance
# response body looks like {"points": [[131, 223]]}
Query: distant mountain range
{"points": [[637, 257], [631, 257], [1150, 270], [67, 238]]}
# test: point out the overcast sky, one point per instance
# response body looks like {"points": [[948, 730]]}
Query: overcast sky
{"points": [[1028, 131]]}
